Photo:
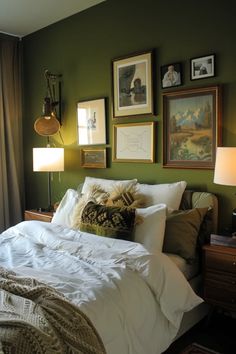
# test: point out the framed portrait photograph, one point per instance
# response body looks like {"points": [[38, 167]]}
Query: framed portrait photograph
{"points": [[93, 158], [171, 75], [133, 142], [192, 127], [91, 122], [133, 85], [202, 67]]}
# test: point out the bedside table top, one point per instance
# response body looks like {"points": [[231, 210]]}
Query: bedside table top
{"points": [[34, 214], [219, 249]]}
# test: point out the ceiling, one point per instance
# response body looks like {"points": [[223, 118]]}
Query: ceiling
{"points": [[22, 17]]}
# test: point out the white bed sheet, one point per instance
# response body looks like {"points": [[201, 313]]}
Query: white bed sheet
{"points": [[134, 299], [188, 270]]}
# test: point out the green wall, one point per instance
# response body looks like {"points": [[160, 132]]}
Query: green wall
{"points": [[82, 47]]}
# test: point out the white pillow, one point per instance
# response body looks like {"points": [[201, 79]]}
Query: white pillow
{"points": [[151, 231], [106, 184], [166, 193], [63, 214]]}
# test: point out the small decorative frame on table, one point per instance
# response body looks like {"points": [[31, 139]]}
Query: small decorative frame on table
{"points": [[93, 158], [133, 85], [133, 142], [171, 75], [192, 127], [202, 67], [91, 120]]}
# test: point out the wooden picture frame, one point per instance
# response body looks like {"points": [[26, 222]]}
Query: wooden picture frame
{"points": [[91, 122], [133, 85], [192, 127], [93, 158], [133, 142], [202, 67], [171, 75]]}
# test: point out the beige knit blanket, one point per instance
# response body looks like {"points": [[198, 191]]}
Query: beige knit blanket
{"points": [[35, 318]]}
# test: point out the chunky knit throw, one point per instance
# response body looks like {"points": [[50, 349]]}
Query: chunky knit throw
{"points": [[35, 318]]}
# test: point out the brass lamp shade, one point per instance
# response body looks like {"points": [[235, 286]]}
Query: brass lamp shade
{"points": [[47, 126]]}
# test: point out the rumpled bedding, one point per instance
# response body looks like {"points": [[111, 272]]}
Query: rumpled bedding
{"points": [[134, 299]]}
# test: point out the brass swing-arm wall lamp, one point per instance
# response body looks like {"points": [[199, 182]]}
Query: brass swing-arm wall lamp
{"points": [[49, 122]]}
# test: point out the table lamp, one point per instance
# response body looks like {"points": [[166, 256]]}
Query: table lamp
{"points": [[49, 159], [225, 171]]}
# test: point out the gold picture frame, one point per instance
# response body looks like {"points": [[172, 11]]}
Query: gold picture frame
{"points": [[93, 158], [192, 127], [133, 142], [133, 85]]}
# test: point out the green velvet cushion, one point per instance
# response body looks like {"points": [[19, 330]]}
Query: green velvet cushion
{"points": [[108, 221], [181, 233]]}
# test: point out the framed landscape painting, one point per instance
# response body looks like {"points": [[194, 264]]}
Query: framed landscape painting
{"points": [[192, 127], [133, 85]]}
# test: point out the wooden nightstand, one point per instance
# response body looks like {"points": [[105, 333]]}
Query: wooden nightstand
{"points": [[219, 266], [38, 215]]}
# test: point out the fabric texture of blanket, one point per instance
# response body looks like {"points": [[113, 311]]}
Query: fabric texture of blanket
{"points": [[35, 318]]}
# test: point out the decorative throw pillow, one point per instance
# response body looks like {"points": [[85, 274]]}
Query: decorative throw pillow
{"points": [[150, 232], [124, 196], [96, 194], [108, 221], [181, 232], [106, 184]]}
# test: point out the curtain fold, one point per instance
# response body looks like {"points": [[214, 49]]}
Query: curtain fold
{"points": [[11, 150]]}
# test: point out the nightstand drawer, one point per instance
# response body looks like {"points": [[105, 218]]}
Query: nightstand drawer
{"points": [[225, 262], [220, 296], [221, 280]]}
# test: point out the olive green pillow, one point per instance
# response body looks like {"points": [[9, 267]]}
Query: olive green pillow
{"points": [[181, 232], [108, 221]]}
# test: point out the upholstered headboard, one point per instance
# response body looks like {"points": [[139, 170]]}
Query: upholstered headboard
{"points": [[194, 199]]}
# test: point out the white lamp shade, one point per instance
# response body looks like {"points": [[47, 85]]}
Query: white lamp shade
{"points": [[48, 159], [225, 166]]}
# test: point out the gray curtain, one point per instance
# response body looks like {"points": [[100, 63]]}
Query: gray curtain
{"points": [[11, 155]]}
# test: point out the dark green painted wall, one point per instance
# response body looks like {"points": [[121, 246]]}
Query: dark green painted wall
{"points": [[82, 47]]}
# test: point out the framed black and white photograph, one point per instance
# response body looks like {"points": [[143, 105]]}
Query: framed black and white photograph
{"points": [[91, 119], [133, 85], [171, 75], [133, 142], [202, 67], [93, 158]]}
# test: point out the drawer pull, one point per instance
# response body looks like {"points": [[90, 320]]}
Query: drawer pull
{"points": [[233, 301], [234, 263], [233, 282]]}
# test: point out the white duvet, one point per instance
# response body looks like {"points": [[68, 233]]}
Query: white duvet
{"points": [[134, 299]]}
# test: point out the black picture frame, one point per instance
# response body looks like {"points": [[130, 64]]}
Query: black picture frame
{"points": [[171, 75], [202, 67]]}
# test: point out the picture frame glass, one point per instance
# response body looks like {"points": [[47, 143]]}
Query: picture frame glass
{"points": [[132, 85], [91, 122], [192, 123], [171, 75], [203, 67], [134, 142], [93, 158]]}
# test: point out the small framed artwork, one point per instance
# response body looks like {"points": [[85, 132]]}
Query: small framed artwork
{"points": [[133, 142], [93, 158], [202, 67], [192, 127], [133, 85], [91, 122], [171, 75]]}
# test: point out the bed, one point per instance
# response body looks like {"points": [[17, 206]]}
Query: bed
{"points": [[128, 296]]}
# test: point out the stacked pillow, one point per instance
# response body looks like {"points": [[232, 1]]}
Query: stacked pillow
{"points": [[115, 211]]}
